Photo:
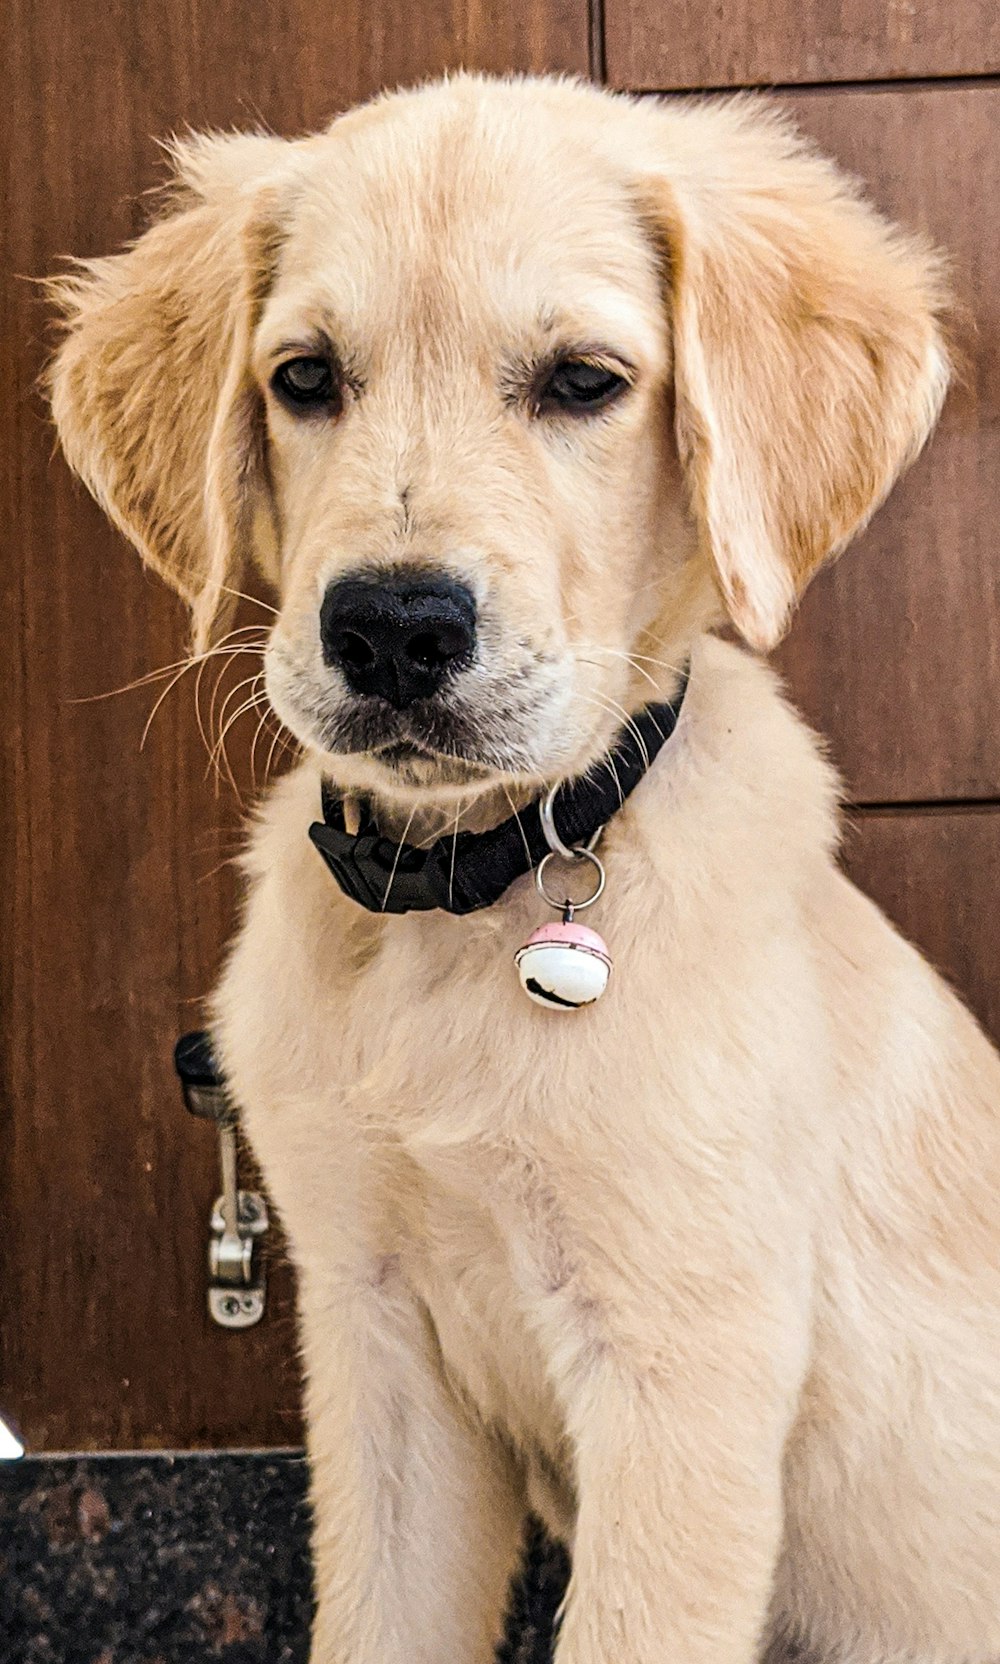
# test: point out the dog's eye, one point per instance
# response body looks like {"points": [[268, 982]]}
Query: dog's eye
{"points": [[306, 383], [576, 384]]}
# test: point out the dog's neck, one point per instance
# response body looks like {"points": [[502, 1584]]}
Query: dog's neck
{"points": [[421, 821], [386, 872], [420, 818]]}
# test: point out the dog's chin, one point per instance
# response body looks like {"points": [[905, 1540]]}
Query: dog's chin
{"points": [[403, 764]]}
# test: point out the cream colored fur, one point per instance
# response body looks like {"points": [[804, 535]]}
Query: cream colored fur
{"points": [[710, 1272]]}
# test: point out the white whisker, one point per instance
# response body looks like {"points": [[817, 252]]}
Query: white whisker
{"points": [[255, 600], [613, 651], [454, 851], [261, 725], [612, 708], [520, 828], [631, 726], [221, 649], [219, 755], [399, 851]]}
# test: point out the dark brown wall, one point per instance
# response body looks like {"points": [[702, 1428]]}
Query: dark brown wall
{"points": [[897, 652], [660, 46], [115, 893]]}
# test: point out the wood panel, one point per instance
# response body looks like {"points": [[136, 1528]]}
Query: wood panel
{"points": [[896, 654], [667, 44], [936, 873], [114, 909]]}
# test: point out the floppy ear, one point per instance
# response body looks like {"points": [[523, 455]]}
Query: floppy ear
{"points": [[151, 389], [809, 361]]}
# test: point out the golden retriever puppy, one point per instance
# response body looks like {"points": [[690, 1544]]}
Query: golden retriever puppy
{"points": [[516, 391]]}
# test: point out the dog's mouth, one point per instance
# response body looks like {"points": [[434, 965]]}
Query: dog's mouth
{"points": [[400, 752]]}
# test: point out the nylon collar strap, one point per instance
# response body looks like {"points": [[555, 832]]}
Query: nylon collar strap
{"points": [[461, 875]]}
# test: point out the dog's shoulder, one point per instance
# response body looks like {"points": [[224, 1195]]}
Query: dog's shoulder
{"points": [[745, 785]]}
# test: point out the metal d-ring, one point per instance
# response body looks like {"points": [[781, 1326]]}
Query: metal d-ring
{"points": [[563, 903], [546, 814]]}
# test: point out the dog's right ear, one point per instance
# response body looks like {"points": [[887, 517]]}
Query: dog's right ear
{"points": [[810, 350], [151, 388]]}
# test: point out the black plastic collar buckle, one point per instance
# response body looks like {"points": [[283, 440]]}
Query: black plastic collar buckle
{"points": [[387, 878]]}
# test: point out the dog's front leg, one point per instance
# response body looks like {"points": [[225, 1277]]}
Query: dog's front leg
{"points": [[678, 1468], [417, 1510]]}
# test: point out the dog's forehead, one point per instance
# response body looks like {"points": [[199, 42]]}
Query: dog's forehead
{"points": [[467, 218]]}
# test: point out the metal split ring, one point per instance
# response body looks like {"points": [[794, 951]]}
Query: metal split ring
{"points": [[563, 903]]}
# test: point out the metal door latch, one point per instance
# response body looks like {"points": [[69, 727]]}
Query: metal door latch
{"points": [[236, 1277]]}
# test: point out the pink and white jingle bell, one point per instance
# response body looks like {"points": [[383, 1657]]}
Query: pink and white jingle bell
{"points": [[564, 965]]}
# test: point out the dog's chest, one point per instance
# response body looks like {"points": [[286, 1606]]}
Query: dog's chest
{"points": [[416, 1104], [483, 1261], [455, 1091]]}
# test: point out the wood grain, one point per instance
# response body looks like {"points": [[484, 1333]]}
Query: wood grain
{"points": [[937, 874], [114, 905], [657, 46], [896, 654]]}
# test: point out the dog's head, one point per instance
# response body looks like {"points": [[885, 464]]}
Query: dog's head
{"points": [[510, 388]]}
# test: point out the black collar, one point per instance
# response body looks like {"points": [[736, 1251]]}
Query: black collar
{"points": [[473, 870]]}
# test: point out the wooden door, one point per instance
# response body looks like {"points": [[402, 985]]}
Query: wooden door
{"points": [[116, 892], [650, 45]]}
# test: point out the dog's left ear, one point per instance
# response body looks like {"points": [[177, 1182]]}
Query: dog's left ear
{"points": [[151, 387], [809, 362]]}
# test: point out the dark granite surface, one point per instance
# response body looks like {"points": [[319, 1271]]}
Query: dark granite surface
{"points": [[164, 1559], [154, 1559]]}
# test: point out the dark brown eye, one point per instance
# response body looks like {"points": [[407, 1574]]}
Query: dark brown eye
{"points": [[579, 386], [306, 383]]}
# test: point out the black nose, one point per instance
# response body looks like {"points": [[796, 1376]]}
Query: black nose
{"points": [[397, 634]]}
